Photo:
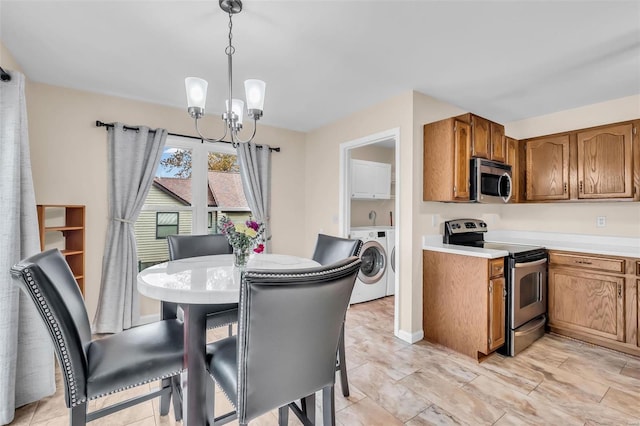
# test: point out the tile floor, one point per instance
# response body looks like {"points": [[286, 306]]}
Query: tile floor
{"points": [[556, 381]]}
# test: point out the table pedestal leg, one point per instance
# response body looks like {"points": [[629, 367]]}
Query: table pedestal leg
{"points": [[194, 378]]}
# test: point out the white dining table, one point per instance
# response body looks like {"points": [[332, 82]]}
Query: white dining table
{"points": [[194, 283]]}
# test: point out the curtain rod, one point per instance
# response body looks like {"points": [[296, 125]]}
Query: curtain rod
{"points": [[107, 125], [4, 76]]}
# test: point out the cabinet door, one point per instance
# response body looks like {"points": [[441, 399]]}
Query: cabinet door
{"points": [[498, 143], [461, 149], [605, 162], [587, 303], [512, 160], [547, 169], [481, 137], [497, 319], [382, 180], [362, 177]]}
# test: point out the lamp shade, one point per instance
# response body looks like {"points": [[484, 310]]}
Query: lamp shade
{"points": [[196, 92], [237, 107], [254, 90]]}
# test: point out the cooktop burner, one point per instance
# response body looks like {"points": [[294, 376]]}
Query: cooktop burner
{"points": [[470, 233], [511, 248]]}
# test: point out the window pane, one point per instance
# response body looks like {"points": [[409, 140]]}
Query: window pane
{"points": [[171, 187]]}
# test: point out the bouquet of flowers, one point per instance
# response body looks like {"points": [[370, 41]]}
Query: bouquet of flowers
{"points": [[243, 236]]}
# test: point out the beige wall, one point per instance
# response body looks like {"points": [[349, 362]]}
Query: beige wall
{"points": [[69, 159]]}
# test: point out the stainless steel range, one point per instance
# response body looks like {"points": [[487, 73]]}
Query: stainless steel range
{"points": [[526, 282]]}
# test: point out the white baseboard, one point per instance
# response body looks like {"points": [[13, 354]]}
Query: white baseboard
{"points": [[410, 337]]}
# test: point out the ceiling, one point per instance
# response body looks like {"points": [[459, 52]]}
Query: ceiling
{"points": [[322, 60]]}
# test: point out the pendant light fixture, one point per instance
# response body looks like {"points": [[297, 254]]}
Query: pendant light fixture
{"points": [[234, 110]]}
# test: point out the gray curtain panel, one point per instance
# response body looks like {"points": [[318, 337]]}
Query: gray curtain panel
{"points": [[26, 355], [255, 171], [133, 159]]}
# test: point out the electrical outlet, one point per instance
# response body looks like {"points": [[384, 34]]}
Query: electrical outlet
{"points": [[601, 221]]}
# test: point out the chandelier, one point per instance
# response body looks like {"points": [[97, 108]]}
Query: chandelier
{"points": [[234, 112]]}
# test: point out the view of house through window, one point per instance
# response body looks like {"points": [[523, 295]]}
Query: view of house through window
{"points": [[195, 184]]}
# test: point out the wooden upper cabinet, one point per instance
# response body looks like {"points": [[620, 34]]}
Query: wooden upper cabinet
{"points": [[480, 137], [513, 159], [487, 138], [547, 168], [605, 168], [447, 145], [498, 143], [461, 169]]}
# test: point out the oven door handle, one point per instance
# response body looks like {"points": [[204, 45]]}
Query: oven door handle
{"points": [[528, 264]]}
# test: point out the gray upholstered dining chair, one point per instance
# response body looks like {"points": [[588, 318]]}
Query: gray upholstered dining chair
{"points": [[182, 247], [288, 331], [330, 249], [95, 368]]}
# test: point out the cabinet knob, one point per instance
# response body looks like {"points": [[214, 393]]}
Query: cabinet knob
{"points": [[581, 190], [565, 188]]}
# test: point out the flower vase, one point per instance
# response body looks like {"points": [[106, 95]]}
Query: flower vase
{"points": [[241, 257]]}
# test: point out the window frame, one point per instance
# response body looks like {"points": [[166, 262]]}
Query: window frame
{"points": [[199, 169], [177, 224]]}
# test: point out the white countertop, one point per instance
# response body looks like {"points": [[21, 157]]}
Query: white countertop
{"points": [[613, 246]]}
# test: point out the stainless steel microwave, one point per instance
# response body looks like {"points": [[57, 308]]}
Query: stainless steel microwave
{"points": [[490, 181]]}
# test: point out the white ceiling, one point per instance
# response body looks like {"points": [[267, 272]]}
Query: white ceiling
{"points": [[322, 60]]}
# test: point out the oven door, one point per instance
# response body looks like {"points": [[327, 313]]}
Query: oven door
{"points": [[528, 291]]}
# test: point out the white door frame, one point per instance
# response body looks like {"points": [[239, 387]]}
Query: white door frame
{"points": [[345, 200]]}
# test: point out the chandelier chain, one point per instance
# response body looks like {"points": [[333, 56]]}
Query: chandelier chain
{"points": [[230, 50]]}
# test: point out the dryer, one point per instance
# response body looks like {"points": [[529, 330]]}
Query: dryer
{"points": [[371, 282], [391, 270]]}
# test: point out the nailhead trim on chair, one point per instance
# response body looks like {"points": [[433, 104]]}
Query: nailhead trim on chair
{"points": [[166, 376], [253, 274], [54, 330]]}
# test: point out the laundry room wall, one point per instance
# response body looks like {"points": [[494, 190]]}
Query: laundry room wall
{"points": [[360, 209]]}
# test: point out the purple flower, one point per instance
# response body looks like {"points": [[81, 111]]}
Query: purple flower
{"points": [[253, 225]]}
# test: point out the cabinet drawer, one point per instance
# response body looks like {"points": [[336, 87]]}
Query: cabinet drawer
{"points": [[588, 262], [496, 267], [638, 267]]}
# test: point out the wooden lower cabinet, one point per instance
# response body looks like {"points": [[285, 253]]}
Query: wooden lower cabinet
{"points": [[593, 298], [464, 302]]}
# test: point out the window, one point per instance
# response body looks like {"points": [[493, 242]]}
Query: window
{"points": [[194, 184], [166, 224]]}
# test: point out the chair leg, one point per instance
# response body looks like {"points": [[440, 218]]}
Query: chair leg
{"points": [[210, 400], [342, 364], [328, 407], [165, 400], [283, 416], [176, 394], [230, 330], [308, 405], [78, 415]]}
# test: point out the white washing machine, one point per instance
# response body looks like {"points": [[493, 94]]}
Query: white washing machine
{"points": [[391, 270], [372, 278]]}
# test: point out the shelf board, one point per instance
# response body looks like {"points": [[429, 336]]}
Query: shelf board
{"points": [[63, 228], [71, 252]]}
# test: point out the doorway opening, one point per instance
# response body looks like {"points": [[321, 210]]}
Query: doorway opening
{"points": [[388, 139]]}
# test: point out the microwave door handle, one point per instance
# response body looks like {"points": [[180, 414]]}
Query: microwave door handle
{"points": [[508, 197]]}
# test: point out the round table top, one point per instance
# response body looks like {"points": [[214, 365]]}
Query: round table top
{"points": [[208, 279]]}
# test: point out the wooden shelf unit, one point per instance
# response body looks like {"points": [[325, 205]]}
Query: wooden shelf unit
{"points": [[70, 221]]}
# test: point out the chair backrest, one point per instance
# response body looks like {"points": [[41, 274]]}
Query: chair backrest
{"points": [[183, 246], [330, 249], [47, 279], [289, 326]]}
